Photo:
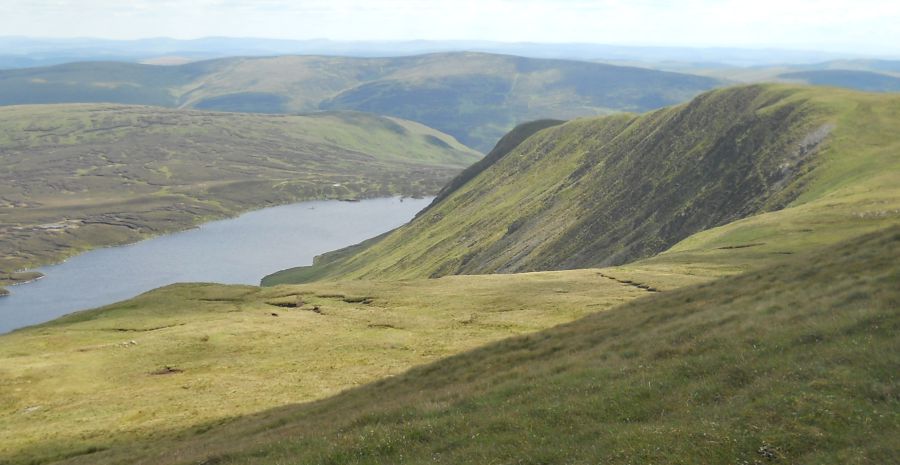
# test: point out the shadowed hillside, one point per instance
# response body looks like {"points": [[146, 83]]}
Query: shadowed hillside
{"points": [[608, 191], [474, 97], [506, 144], [788, 361], [794, 363]]}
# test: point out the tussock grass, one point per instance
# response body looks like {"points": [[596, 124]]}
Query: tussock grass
{"points": [[185, 356], [789, 358], [793, 363]]}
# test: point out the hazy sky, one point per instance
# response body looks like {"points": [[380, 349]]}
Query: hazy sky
{"points": [[863, 26]]}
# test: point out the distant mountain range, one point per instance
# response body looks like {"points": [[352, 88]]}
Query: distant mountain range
{"points": [[861, 74], [754, 320], [475, 97], [861, 80], [26, 52]]}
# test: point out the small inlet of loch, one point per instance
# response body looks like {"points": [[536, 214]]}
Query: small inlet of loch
{"points": [[234, 251]]}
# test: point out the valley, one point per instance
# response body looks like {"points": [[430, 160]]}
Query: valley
{"points": [[726, 364], [405, 232], [232, 251], [782, 168], [475, 97], [77, 177], [616, 289]]}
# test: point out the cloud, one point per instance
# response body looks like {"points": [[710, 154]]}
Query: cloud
{"points": [[869, 25]]}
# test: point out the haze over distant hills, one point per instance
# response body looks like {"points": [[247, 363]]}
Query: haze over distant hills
{"points": [[870, 75], [16, 52], [475, 97], [668, 255]]}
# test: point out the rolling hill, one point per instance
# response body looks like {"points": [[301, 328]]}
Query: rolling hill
{"points": [[81, 176], [237, 350], [612, 190], [764, 331], [868, 75], [473, 96], [792, 363], [30, 51]]}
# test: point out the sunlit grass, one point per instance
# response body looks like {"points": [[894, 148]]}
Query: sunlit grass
{"points": [[89, 379]]}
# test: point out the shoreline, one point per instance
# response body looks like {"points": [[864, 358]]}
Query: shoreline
{"points": [[260, 256], [18, 278], [28, 281], [229, 216]]}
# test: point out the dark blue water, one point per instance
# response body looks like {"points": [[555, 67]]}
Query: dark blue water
{"points": [[236, 251]]}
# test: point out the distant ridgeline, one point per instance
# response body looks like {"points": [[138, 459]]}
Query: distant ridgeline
{"points": [[472, 96], [611, 190], [851, 79]]}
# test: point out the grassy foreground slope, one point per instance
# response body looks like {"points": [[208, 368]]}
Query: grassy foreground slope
{"points": [[794, 363], [475, 97], [74, 177], [608, 191], [185, 356], [794, 360]]}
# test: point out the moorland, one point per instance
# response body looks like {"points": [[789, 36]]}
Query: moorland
{"points": [[80, 176], [475, 97], [713, 282]]}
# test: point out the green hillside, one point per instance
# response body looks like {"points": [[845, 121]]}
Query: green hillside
{"points": [[474, 97], [238, 350], [813, 165], [764, 331], [81, 176], [504, 146], [792, 363]]}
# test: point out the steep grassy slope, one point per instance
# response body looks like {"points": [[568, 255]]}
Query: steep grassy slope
{"points": [[475, 97], [80, 176], [608, 191], [855, 189], [229, 354], [505, 145], [795, 363], [792, 361]]}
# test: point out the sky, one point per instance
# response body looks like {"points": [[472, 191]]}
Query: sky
{"points": [[858, 26]]}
